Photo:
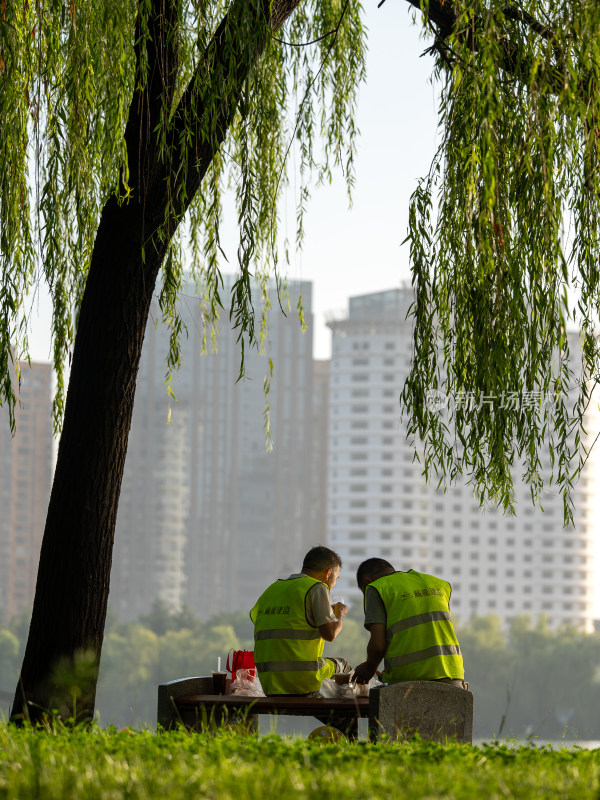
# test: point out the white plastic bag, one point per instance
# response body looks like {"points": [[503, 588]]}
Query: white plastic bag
{"points": [[332, 689], [363, 689], [246, 683]]}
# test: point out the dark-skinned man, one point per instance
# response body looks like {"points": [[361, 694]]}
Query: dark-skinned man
{"points": [[408, 617]]}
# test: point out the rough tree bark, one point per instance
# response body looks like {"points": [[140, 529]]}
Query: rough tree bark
{"points": [[72, 589]]}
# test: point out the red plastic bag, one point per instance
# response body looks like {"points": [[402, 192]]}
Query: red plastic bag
{"points": [[240, 659]]}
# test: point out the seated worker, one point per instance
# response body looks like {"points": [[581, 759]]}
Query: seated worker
{"points": [[293, 618], [408, 617]]}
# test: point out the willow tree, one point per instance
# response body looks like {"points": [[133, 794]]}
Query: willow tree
{"points": [[119, 120], [505, 245]]}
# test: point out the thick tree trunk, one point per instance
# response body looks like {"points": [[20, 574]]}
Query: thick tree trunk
{"points": [[65, 638]]}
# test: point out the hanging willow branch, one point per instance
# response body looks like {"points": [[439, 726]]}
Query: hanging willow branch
{"points": [[503, 228], [72, 138]]}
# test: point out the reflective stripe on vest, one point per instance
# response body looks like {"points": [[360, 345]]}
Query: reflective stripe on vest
{"points": [[288, 650], [421, 655], [421, 643]]}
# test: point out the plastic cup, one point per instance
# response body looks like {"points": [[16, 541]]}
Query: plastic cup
{"points": [[219, 682]]}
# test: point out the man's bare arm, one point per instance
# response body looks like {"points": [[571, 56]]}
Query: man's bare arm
{"points": [[329, 630], [375, 652]]}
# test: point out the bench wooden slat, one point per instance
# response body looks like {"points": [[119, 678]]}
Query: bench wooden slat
{"points": [[271, 705]]}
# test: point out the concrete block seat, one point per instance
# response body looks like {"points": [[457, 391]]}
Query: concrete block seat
{"points": [[433, 710]]}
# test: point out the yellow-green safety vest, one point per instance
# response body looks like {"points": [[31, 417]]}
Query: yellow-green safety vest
{"points": [[288, 650], [421, 643]]}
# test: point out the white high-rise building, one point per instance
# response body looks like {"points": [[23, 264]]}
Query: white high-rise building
{"points": [[379, 504]]}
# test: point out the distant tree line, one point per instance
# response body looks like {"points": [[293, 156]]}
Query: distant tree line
{"points": [[528, 681]]}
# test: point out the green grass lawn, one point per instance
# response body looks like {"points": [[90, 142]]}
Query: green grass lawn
{"points": [[229, 766]]}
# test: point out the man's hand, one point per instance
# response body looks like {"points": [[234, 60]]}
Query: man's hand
{"points": [[363, 673], [340, 610], [375, 652]]}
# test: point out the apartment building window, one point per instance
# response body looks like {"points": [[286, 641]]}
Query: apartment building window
{"points": [[388, 409], [390, 346], [387, 440], [388, 378], [360, 362], [359, 377], [386, 520], [358, 503], [356, 471], [387, 457], [360, 393], [359, 424], [386, 536], [358, 487], [355, 520], [388, 393], [357, 440], [357, 535], [386, 504], [359, 409], [387, 488]]}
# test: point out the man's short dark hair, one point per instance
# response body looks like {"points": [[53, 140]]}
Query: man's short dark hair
{"points": [[320, 558], [371, 569]]}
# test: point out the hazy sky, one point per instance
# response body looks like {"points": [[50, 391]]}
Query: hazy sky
{"points": [[350, 252]]}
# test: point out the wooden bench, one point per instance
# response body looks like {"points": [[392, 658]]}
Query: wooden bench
{"points": [[436, 711]]}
